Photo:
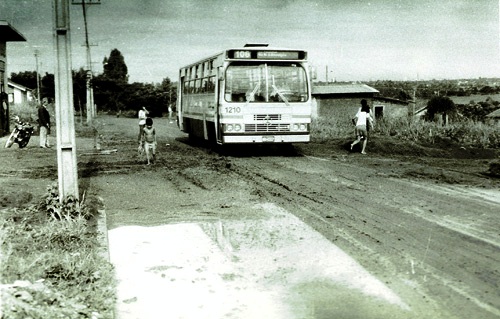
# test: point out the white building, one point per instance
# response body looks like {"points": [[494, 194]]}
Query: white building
{"points": [[18, 93]]}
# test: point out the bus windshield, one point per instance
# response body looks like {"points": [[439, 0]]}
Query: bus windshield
{"points": [[265, 82]]}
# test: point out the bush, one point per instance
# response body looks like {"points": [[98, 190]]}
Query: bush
{"points": [[52, 265]]}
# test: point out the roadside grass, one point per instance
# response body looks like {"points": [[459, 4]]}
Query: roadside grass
{"points": [[465, 133], [51, 262]]}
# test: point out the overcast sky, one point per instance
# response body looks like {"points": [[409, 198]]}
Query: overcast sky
{"points": [[357, 40]]}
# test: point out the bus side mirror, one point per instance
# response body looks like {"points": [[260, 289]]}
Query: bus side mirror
{"points": [[220, 72]]}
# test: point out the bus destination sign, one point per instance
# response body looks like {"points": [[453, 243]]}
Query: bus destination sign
{"points": [[278, 55], [266, 55]]}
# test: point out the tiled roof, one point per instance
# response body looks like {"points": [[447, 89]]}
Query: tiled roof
{"points": [[350, 88]]}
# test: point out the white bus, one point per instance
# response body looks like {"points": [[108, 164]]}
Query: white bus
{"points": [[254, 94]]}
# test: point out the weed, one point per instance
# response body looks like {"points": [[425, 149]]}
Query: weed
{"points": [[465, 133], [51, 265]]}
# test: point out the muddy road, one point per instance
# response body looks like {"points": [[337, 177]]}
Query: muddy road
{"points": [[421, 225]]}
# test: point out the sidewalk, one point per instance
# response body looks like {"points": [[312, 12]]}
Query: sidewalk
{"points": [[276, 267]]}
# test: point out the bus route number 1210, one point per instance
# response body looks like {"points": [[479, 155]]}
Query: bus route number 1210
{"points": [[233, 109]]}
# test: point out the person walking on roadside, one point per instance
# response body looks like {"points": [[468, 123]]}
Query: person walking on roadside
{"points": [[148, 139], [143, 113], [44, 124], [363, 121]]}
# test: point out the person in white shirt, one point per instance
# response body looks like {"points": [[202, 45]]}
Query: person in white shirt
{"points": [[363, 119], [143, 113]]}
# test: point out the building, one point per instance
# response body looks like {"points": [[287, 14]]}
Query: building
{"points": [[7, 34], [342, 100], [494, 117], [18, 93], [389, 108]]}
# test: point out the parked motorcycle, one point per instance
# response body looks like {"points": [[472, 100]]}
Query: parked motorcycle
{"points": [[21, 133]]}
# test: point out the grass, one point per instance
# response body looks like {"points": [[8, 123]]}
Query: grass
{"points": [[52, 264], [464, 133]]}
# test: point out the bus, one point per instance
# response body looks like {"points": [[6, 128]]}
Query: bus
{"points": [[252, 94]]}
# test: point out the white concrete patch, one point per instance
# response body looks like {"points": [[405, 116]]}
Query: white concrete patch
{"points": [[230, 269]]}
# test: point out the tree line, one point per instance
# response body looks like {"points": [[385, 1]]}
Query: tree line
{"points": [[112, 92]]}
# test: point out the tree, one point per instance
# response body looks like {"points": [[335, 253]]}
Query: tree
{"points": [[47, 88], [27, 79], [115, 67], [440, 105], [168, 93], [79, 88]]}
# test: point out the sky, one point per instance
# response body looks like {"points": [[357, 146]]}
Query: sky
{"points": [[347, 40]]}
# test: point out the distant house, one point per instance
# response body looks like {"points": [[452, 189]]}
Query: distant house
{"points": [[341, 101], [18, 93], [384, 107], [494, 117]]}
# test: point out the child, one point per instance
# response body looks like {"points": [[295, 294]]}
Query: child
{"points": [[149, 140], [363, 121]]}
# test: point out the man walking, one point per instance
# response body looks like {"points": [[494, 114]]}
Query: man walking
{"points": [[44, 124]]}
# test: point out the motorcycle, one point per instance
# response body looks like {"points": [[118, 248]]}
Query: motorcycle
{"points": [[21, 133]]}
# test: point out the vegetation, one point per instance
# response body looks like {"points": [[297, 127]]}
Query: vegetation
{"points": [[465, 133], [52, 263], [112, 92]]}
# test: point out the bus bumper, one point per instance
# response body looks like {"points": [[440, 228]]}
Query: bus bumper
{"points": [[228, 139]]}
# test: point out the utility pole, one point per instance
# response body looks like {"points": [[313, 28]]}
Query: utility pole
{"points": [[91, 112], [65, 121], [38, 97]]}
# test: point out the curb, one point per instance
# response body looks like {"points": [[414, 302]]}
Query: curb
{"points": [[102, 237]]}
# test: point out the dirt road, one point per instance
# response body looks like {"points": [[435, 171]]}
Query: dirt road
{"points": [[335, 230]]}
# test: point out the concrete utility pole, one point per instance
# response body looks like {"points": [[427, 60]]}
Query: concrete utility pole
{"points": [[65, 121], [91, 111], [38, 97]]}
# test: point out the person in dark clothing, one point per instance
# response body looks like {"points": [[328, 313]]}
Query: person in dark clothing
{"points": [[44, 124]]}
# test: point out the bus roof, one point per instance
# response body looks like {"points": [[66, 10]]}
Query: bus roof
{"points": [[249, 47]]}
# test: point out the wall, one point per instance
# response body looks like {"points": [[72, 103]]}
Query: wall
{"points": [[340, 109]]}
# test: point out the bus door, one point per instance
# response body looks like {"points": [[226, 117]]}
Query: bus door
{"points": [[180, 91], [219, 91]]}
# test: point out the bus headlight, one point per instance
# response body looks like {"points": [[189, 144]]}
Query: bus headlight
{"points": [[233, 127], [299, 127]]}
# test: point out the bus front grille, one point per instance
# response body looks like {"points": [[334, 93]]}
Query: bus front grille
{"points": [[267, 117], [267, 127]]}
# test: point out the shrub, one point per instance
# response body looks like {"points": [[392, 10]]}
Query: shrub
{"points": [[52, 265]]}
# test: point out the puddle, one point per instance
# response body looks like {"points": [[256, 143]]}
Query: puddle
{"points": [[274, 267]]}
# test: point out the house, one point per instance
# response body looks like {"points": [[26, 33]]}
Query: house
{"points": [[384, 107], [342, 100], [7, 34], [18, 93], [494, 117]]}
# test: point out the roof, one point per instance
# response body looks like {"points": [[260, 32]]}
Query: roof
{"points": [[391, 100], [18, 86], [350, 88], [8, 33], [494, 114]]}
